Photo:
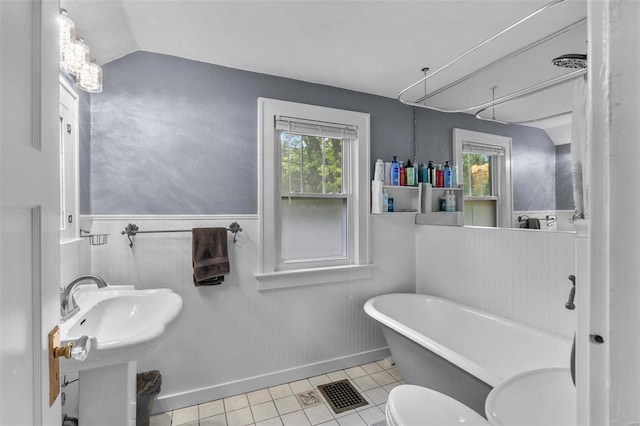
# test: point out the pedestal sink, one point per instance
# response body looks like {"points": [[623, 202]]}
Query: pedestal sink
{"points": [[538, 397], [123, 325]]}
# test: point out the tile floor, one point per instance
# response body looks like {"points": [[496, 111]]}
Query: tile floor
{"points": [[280, 405]]}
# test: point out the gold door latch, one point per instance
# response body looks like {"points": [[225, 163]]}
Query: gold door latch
{"points": [[82, 345]]}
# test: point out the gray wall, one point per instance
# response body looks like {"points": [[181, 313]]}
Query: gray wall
{"points": [[175, 136], [564, 178]]}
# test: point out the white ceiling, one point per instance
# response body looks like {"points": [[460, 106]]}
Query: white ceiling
{"points": [[376, 47]]}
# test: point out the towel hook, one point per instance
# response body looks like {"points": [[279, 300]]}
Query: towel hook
{"points": [[235, 228]]}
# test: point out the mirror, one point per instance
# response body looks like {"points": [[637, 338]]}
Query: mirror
{"points": [[138, 45]]}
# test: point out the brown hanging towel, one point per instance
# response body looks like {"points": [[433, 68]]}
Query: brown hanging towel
{"points": [[209, 256], [533, 223]]}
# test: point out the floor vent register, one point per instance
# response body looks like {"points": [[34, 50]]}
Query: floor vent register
{"points": [[342, 396]]}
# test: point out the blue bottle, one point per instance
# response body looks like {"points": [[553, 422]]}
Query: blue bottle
{"points": [[447, 175], [395, 172]]}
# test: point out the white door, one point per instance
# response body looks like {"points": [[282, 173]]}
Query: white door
{"points": [[29, 216]]}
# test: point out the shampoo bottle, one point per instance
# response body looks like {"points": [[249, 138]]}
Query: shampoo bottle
{"points": [[439, 176], [410, 174], [431, 174], [403, 175], [395, 172], [447, 175], [423, 173]]}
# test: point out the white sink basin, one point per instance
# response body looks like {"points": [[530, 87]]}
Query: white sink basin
{"points": [[123, 324], [539, 397]]}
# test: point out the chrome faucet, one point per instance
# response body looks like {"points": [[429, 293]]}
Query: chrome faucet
{"points": [[68, 305]]}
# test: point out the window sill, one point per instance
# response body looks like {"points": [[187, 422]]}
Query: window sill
{"points": [[304, 277]]}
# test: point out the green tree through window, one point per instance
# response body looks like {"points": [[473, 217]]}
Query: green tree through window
{"points": [[476, 173], [311, 164]]}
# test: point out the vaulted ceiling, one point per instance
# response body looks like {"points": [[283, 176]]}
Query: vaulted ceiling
{"points": [[377, 47]]}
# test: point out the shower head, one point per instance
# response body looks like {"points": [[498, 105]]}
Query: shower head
{"points": [[572, 60]]}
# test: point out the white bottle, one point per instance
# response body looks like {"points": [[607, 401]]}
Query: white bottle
{"points": [[453, 202], [379, 171]]}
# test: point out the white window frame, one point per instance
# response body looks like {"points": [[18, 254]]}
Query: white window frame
{"points": [[69, 166], [273, 274], [501, 166]]}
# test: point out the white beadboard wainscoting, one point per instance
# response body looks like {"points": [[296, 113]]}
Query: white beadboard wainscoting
{"points": [[232, 338], [519, 274]]}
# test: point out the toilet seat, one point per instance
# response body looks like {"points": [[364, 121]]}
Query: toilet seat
{"points": [[410, 405]]}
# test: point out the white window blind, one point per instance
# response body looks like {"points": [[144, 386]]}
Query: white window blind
{"points": [[316, 128], [482, 149]]}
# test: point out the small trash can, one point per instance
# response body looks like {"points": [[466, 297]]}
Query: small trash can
{"points": [[148, 387]]}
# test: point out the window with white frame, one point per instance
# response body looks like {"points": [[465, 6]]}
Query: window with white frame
{"points": [[313, 194], [484, 169]]}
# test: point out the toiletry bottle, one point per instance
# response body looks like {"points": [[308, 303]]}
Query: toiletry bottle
{"points": [[387, 172], [448, 200], [453, 201], [431, 175], [385, 201], [443, 203], [410, 174], [390, 205], [447, 175], [423, 173], [416, 173], [403, 175], [439, 176], [454, 177], [379, 170], [395, 172]]}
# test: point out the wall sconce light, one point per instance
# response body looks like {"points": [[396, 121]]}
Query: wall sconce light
{"points": [[67, 32], [74, 57], [89, 78]]}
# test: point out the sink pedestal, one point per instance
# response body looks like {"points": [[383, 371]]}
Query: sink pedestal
{"points": [[107, 395]]}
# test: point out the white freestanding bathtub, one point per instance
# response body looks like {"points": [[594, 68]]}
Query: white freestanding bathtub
{"points": [[460, 351]]}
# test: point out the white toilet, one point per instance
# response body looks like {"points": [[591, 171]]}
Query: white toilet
{"points": [[410, 405]]}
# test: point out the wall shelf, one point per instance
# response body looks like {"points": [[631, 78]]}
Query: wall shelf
{"points": [[423, 202], [430, 213], [406, 199]]}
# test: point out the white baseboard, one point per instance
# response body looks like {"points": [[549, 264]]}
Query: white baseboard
{"points": [[211, 393]]}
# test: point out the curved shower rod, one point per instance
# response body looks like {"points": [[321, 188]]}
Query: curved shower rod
{"points": [[531, 90], [515, 95]]}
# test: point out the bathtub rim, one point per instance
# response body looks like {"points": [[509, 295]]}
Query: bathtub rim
{"points": [[450, 355]]}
